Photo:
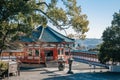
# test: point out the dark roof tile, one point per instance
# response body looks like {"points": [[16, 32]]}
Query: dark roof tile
{"points": [[49, 35]]}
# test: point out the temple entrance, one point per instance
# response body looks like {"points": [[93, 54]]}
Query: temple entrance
{"points": [[48, 55]]}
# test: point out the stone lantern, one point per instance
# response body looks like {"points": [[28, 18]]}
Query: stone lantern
{"points": [[61, 64]]}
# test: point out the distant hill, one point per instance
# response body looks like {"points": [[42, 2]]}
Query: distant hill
{"points": [[89, 42]]}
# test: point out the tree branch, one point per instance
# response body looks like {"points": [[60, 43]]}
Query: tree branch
{"points": [[52, 19]]}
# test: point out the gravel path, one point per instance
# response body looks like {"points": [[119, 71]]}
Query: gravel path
{"points": [[81, 72]]}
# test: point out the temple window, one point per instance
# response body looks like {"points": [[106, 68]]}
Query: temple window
{"points": [[36, 52], [60, 51], [30, 52]]}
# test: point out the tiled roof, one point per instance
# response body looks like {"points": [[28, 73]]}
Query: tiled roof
{"points": [[49, 35]]}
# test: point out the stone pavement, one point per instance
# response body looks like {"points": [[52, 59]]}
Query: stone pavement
{"points": [[80, 71]]}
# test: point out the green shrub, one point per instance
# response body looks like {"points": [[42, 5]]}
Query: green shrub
{"points": [[3, 65]]}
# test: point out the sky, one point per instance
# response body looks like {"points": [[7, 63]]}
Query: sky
{"points": [[100, 14]]}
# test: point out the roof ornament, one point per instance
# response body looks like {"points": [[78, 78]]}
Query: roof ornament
{"points": [[43, 27]]}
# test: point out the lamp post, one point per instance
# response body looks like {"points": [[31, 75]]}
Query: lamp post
{"points": [[70, 60]]}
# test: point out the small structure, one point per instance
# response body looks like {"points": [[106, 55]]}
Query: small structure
{"points": [[45, 44], [8, 67], [114, 68]]}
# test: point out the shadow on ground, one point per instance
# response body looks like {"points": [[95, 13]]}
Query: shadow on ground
{"points": [[88, 76]]}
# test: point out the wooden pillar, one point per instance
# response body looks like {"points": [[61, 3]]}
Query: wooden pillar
{"points": [[55, 54], [43, 55]]}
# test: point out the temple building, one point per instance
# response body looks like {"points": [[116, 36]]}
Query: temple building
{"points": [[44, 44]]}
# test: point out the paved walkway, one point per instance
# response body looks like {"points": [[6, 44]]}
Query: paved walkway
{"points": [[80, 71]]}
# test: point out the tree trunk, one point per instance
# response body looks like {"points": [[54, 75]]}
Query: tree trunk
{"points": [[3, 43]]}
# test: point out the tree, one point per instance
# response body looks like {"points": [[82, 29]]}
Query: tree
{"points": [[20, 17], [16, 17], [110, 49]]}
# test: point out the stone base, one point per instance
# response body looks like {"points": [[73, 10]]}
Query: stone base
{"points": [[70, 72]]}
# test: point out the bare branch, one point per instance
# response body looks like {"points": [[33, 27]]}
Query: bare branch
{"points": [[42, 3]]}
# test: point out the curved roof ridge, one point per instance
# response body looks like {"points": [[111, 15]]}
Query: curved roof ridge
{"points": [[61, 34], [48, 34]]}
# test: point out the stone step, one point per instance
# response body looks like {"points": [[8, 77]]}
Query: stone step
{"points": [[51, 64], [26, 65]]}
